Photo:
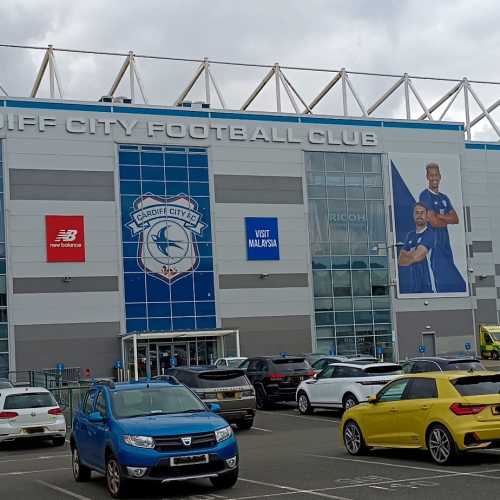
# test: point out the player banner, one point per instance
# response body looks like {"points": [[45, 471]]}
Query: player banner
{"points": [[429, 227]]}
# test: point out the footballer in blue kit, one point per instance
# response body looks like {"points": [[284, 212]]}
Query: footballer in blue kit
{"points": [[416, 254], [440, 213]]}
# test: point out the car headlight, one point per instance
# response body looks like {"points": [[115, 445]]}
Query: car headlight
{"points": [[223, 434], [139, 441]]}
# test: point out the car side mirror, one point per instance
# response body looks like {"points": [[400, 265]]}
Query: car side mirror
{"points": [[96, 417], [215, 407], [372, 399]]}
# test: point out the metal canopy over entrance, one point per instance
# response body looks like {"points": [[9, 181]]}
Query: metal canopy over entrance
{"points": [[151, 354]]}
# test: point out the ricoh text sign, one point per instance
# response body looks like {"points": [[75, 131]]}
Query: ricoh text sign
{"points": [[19, 122]]}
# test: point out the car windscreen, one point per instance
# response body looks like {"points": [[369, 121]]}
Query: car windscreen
{"points": [[291, 364], [234, 363], [225, 378], [383, 370], [142, 402], [477, 385], [464, 365], [29, 400]]}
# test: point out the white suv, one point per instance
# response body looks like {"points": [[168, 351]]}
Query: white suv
{"points": [[30, 412], [342, 385]]}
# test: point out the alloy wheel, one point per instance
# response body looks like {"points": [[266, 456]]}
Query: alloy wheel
{"points": [[113, 476], [349, 403], [303, 403], [440, 445], [352, 438], [76, 463]]}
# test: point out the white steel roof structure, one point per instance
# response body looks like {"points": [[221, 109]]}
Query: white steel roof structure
{"points": [[442, 99]]}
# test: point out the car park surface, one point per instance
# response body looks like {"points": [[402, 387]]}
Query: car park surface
{"points": [[285, 456]]}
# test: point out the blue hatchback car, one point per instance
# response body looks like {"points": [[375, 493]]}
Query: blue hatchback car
{"points": [[151, 431]]}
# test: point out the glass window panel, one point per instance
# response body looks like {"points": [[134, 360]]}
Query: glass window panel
{"points": [[360, 262], [359, 248], [341, 262], [363, 316], [337, 192], [346, 346], [324, 318], [378, 262], [316, 191], [4, 345], [365, 345], [344, 330], [381, 302], [325, 346], [343, 304], [385, 342], [376, 220], [315, 161], [357, 220], [354, 180], [320, 248], [382, 316], [380, 276], [343, 318], [318, 220], [373, 180], [321, 263], [354, 193], [337, 211], [322, 281], [383, 330], [341, 283], [372, 164], [353, 162], [3, 331], [4, 365], [315, 179], [335, 185], [361, 283], [2, 284], [362, 303], [335, 179], [3, 315], [334, 162], [325, 332], [374, 193], [340, 248], [323, 304]]}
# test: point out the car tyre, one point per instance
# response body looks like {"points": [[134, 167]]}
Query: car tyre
{"points": [[261, 400], [494, 355], [81, 473], [441, 446], [244, 425], [353, 439], [348, 401], [225, 481], [115, 483], [58, 441], [304, 404]]}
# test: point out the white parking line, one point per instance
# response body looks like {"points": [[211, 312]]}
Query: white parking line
{"points": [[45, 457], [294, 490], [62, 490], [302, 417], [24, 473], [260, 429]]}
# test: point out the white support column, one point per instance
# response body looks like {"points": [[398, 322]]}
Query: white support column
{"points": [[51, 73], [385, 95], [323, 92], [238, 353], [450, 104], [344, 92], [136, 367], [190, 85], [289, 92], [41, 72], [256, 92], [294, 90], [483, 109], [119, 77], [420, 100], [407, 96], [355, 95], [207, 81], [217, 90], [443, 99], [131, 75], [467, 109], [277, 83], [139, 82]]}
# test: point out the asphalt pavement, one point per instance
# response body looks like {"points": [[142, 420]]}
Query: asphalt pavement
{"points": [[285, 456]]}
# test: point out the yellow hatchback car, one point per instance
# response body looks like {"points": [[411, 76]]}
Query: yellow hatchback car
{"points": [[443, 412]]}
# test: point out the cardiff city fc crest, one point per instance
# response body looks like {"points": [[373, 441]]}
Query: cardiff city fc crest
{"points": [[167, 228]]}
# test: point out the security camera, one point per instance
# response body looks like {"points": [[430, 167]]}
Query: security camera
{"points": [[426, 302]]}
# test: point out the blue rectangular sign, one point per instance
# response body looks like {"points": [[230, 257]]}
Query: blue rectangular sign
{"points": [[262, 238]]}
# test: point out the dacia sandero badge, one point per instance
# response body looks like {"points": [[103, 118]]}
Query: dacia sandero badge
{"points": [[168, 227]]}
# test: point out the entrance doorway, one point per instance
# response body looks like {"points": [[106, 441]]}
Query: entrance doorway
{"points": [[429, 341]]}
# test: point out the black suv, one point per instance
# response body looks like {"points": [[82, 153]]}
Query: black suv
{"points": [[276, 378], [229, 387], [441, 364]]}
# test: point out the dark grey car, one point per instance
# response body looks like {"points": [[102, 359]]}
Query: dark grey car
{"points": [[229, 387]]}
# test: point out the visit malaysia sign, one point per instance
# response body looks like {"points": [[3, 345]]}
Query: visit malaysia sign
{"points": [[262, 239]]}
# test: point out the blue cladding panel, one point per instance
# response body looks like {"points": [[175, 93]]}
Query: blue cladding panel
{"points": [[167, 241]]}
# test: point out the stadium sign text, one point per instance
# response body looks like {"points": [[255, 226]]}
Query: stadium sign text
{"points": [[20, 122]]}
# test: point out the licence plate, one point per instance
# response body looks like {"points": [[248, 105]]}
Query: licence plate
{"points": [[228, 395], [189, 460], [33, 430]]}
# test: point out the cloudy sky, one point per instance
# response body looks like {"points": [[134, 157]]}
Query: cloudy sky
{"points": [[446, 38]]}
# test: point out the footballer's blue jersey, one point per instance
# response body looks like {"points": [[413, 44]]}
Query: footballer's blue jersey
{"points": [[420, 278], [446, 275]]}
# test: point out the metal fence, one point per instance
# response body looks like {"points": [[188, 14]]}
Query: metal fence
{"points": [[69, 399], [48, 378]]}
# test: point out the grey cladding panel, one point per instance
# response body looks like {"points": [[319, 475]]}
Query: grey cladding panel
{"points": [[482, 246], [67, 185], [258, 189], [486, 311], [485, 282], [62, 331], [57, 285], [229, 281], [272, 334], [497, 269]]}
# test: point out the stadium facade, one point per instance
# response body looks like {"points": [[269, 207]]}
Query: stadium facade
{"points": [[132, 234]]}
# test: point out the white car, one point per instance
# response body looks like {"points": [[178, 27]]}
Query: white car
{"points": [[31, 412], [342, 385], [229, 362]]}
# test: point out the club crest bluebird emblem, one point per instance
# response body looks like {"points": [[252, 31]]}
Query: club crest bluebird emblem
{"points": [[167, 230]]}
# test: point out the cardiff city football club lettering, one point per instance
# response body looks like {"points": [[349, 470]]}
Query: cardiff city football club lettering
{"points": [[167, 228]]}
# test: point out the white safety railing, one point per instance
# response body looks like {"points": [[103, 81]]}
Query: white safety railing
{"points": [[459, 102]]}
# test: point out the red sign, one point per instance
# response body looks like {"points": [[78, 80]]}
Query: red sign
{"points": [[65, 238]]}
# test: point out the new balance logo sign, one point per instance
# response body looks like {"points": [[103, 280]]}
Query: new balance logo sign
{"points": [[66, 235]]}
